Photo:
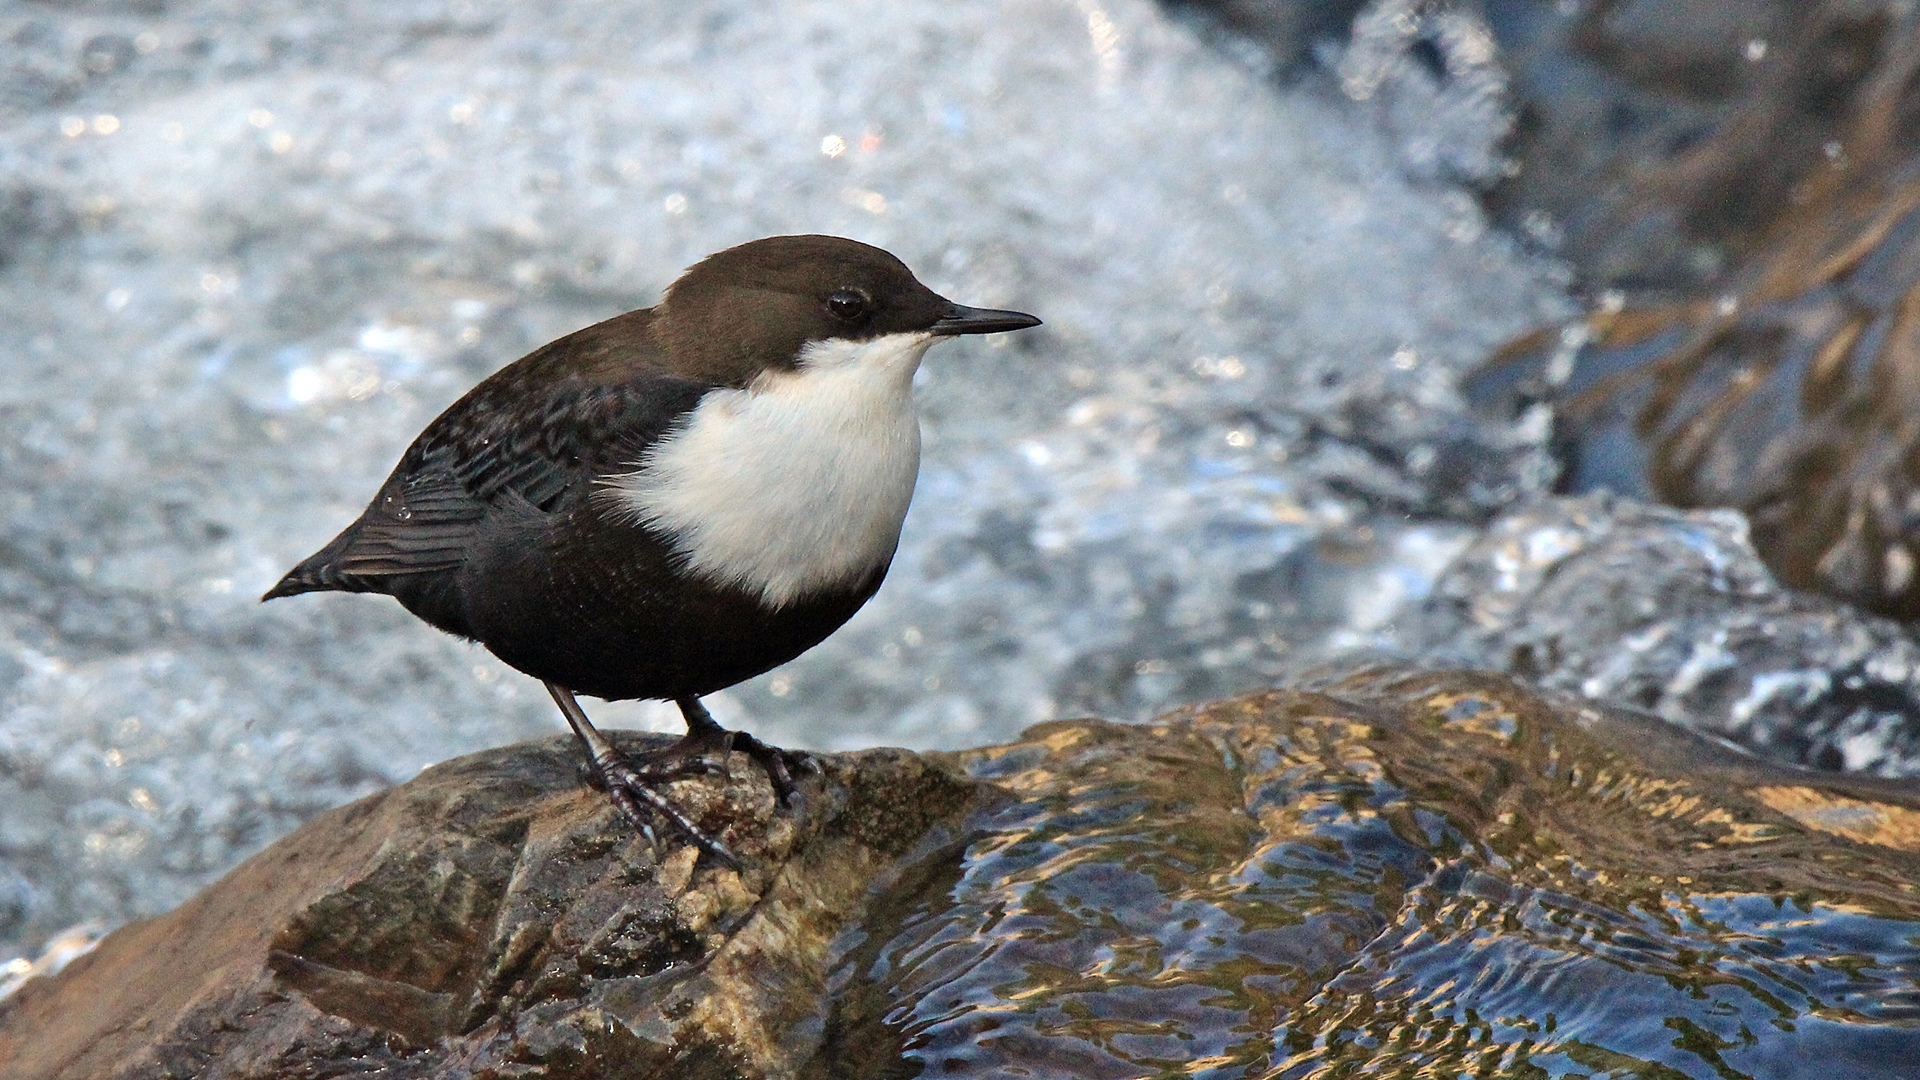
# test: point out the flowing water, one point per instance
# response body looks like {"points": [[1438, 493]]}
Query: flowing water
{"points": [[251, 248]]}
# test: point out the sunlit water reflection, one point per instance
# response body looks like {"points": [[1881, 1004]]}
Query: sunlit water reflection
{"points": [[1419, 875]]}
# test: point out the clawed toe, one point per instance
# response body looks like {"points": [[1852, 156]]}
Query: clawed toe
{"points": [[782, 766], [632, 782], [646, 769], [632, 788]]}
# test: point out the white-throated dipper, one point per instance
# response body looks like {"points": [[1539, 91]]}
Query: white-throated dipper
{"points": [[673, 500]]}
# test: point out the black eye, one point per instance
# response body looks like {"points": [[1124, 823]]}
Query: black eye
{"points": [[848, 304]]}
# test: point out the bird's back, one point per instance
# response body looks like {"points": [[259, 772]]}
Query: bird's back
{"points": [[498, 525], [530, 439]]}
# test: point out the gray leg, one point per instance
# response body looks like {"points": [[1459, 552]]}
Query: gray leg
{"points": [[629, 786]]}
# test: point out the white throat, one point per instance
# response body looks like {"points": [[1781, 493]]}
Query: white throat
{"points": [[796, 484]]}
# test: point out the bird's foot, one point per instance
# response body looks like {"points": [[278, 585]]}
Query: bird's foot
{"points": [[781, 766], [633, 787]]}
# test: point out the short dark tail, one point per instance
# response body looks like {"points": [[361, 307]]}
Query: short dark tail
{"points": [[299, 580], [321, 572]]}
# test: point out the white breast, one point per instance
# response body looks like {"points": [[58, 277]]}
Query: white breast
{"points": [[796, 484]]}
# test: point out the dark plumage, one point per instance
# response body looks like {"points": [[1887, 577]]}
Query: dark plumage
{"points": [[496, 525]]}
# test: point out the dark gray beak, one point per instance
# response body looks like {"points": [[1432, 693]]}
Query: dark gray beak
{"points": [[961, 319]]}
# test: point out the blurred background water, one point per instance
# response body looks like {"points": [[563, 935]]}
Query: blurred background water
{"points": [[248, 249]]}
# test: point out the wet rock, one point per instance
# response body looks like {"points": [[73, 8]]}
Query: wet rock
{"points": [[489, 915], [1673, 612], [1651, 143], [1775, 373], [1791, 394], [1388, 871], [1658, 141], [1735, 183]]}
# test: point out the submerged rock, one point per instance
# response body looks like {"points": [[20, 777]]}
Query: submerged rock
{"points": [[1393, 871], [1673, 612], [1792, 397]]}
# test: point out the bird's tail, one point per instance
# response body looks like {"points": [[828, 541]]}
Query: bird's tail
{"points": [[320, 572], [296, 582]]}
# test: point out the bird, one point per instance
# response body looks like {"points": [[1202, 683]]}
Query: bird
{"points": [[672, 501]]}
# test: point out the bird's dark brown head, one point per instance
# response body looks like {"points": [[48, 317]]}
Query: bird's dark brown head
{"points": [[750, 308]]}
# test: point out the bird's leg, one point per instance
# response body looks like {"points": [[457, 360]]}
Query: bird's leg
{"points": [[779, 764], [629, 785]]}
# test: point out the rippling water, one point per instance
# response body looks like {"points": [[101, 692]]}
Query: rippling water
{"points": [[1419, 875]]}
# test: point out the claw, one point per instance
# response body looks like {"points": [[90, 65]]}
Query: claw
{"points": [[632, 782], [632, 786], [779, 764], [629, 787]]}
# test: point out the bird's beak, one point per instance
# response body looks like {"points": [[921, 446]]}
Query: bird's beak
{"points": [[961, 319]]}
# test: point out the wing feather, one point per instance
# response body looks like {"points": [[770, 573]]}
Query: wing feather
{"points": [[487, 453]]}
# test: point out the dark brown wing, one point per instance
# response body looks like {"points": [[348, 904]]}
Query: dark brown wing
{"points": [[530, 438]]}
